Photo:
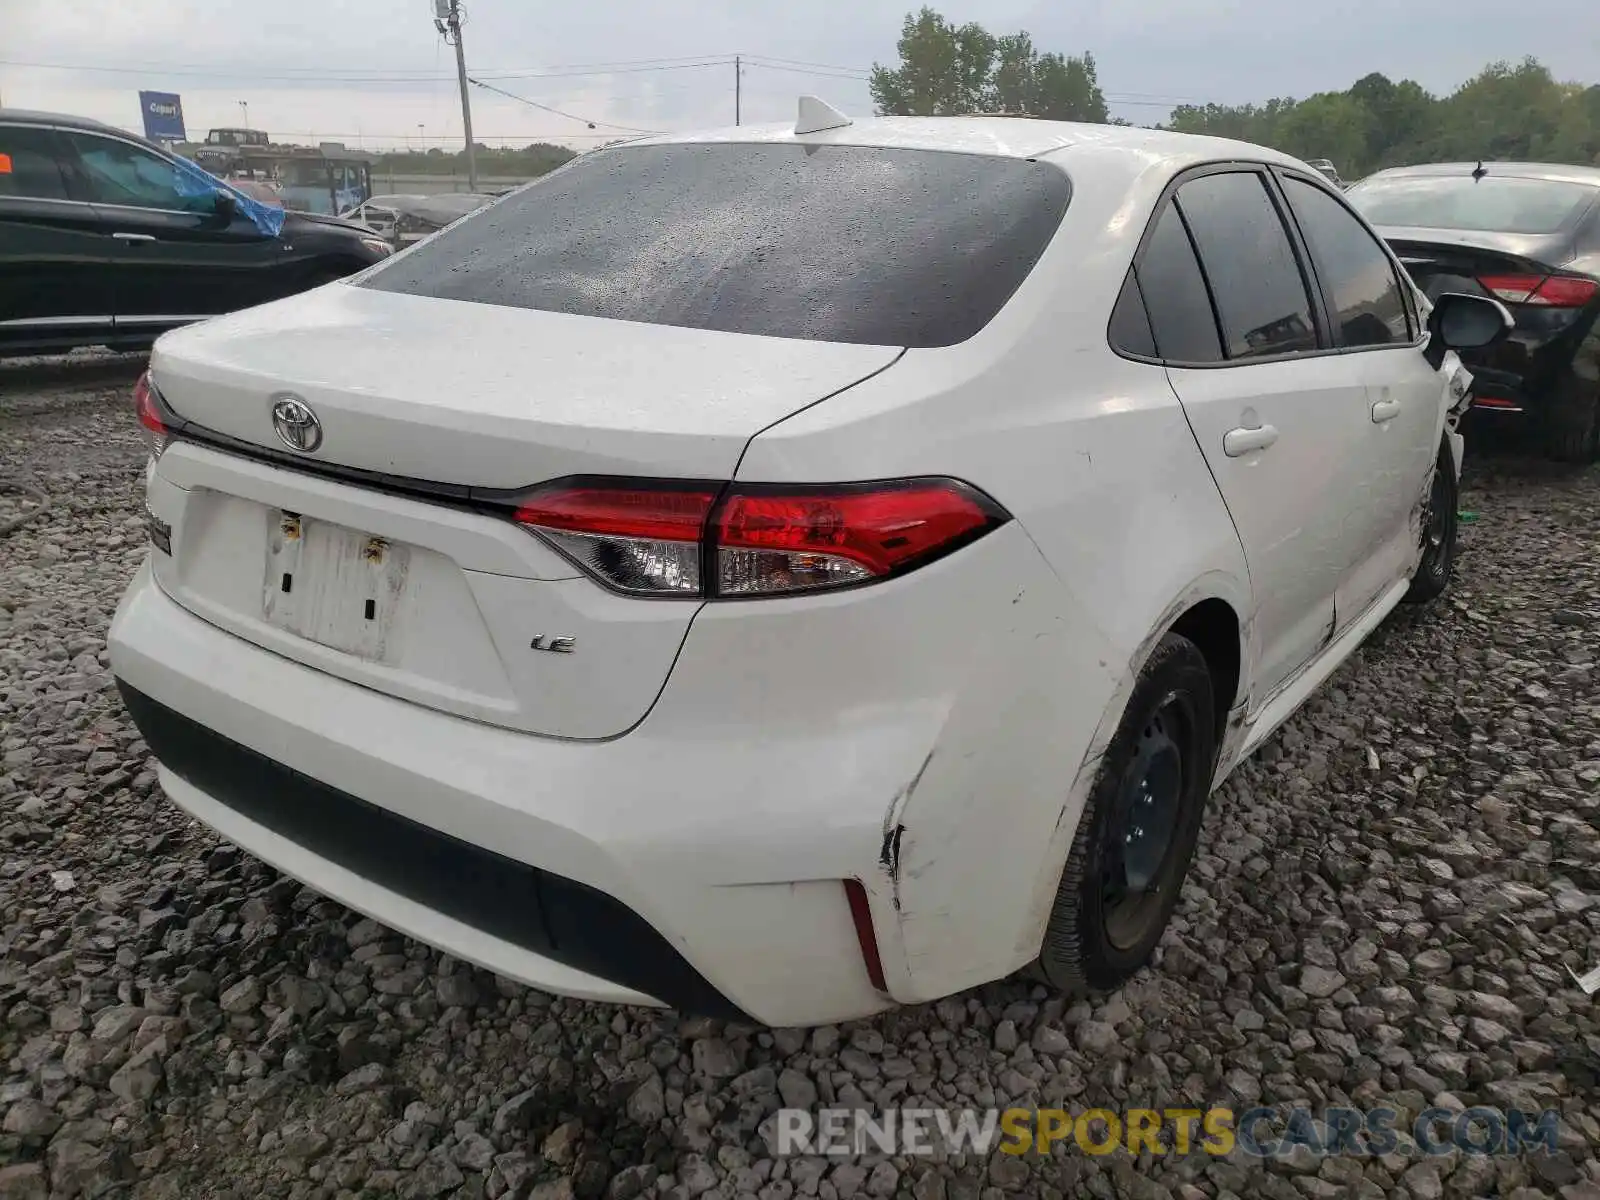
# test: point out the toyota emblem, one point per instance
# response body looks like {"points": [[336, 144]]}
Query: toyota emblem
{"points": [[297, 426]]}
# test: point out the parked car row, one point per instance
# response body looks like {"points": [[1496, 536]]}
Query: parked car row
{"points": [[796, 570], [105, 240]]}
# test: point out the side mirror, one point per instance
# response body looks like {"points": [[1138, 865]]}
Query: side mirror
{"points": [[1464, 322], [226, 205]]}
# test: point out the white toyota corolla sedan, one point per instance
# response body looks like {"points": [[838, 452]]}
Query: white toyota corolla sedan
{"points": [[789, 572]]}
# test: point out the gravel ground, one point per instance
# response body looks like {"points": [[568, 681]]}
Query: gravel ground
{"points": [[1385, 905]]}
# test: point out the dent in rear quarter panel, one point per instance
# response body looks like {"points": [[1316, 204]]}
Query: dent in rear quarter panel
{"points": [[1092, 455]]}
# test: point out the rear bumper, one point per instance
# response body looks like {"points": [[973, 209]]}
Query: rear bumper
{"points": [[700, 860], [583, 894], [610, 952]]}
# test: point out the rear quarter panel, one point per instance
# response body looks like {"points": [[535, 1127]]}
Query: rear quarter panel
{"points": [[1093, 456]]}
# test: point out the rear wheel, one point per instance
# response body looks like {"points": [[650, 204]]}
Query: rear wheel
{"points": [[1572, 421], [1138, 828], [1438, 559]]}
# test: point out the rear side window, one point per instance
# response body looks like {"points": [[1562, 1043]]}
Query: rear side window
{"points": [[1130, 324], [1356, 275], [1250, 264], [1174, 293], [29, 164], [831, 243]]}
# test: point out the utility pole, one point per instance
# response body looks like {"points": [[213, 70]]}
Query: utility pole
{"points": [[244, 107], [447, 18], [737, 86]]}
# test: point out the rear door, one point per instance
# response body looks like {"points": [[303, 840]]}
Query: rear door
{"points": [[176, 258], [1281, 423], [1407, 398], [53, 249]]}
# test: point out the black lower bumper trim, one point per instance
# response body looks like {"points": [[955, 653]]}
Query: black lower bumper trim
{"points": [[560, 919]]}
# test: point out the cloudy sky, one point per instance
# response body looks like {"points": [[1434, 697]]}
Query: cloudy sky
{"points": [[377, 74]]}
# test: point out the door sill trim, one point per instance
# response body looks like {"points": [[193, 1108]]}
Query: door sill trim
{"points": [[1283, 703]]}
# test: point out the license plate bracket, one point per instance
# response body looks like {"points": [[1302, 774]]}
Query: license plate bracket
{"points": [[336, 586]]}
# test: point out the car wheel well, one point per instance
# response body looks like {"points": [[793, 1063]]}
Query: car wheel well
{"points": [[1213, 627]]}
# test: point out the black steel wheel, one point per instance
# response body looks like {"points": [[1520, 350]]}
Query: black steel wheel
{"points": [[1138, 828], [1438, 532]]}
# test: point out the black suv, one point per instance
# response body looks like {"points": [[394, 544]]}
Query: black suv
{"points": [[106, 240]]}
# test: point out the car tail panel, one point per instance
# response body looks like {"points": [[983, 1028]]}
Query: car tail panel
{"points": [[458, 610]]}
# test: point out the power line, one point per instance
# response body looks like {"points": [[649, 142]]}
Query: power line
{"points": [[798, 62], [308, 75], [807, 71], [558, 112]]}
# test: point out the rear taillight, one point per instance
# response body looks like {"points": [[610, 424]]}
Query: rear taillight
{"points": [[1547, 291], [736, 540], [149, 414], [645, 540], [790, 540]]}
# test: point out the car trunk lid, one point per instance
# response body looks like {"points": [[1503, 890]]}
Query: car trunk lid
{"points": [[1442, 260], [478, 395], [427, 590]]}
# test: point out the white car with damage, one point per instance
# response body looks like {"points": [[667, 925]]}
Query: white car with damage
{"points": [[792, 571]]}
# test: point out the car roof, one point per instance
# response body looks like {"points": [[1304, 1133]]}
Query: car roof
{"points": [[1013, 137], [1562, 172], [25, 116]]}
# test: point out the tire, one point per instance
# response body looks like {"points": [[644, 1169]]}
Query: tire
{"points": [[1162, 756], [1439, 525], [1572, 421]]}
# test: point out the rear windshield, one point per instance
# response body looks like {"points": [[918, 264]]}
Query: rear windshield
{"points": [[831, 243], [1490, 204]]}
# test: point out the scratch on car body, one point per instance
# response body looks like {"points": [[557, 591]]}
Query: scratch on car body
{"points": [[894, 831]]}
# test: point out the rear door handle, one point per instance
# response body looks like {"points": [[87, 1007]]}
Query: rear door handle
{"points": [[1385, 410], [133, 237], [1238, 442]]}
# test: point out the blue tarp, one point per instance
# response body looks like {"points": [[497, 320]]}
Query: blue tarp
{"points": [[193, 180]]}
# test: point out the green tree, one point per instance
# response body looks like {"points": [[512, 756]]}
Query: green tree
{"points": [[1068, 89], [1504, 112], [526, 163], [946, 70], [1245, 122], [1402, 117], [1330, 125]]}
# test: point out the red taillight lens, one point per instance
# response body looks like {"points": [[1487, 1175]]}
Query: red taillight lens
{"points": [[1564, 291], [1513, 289], [787, 540], [1553, 291], [651, 538], [144, 405], [645, 540]]}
